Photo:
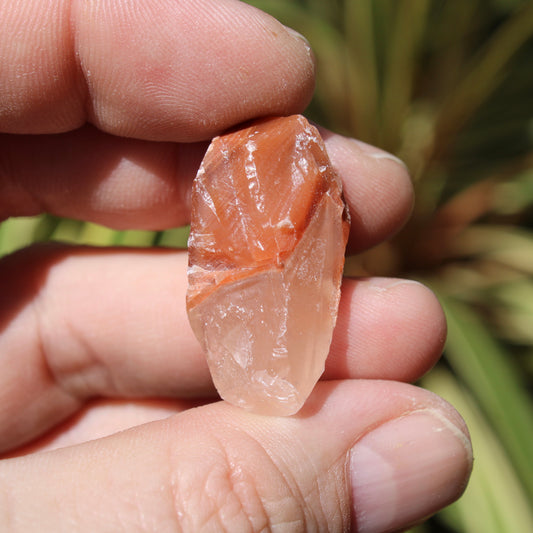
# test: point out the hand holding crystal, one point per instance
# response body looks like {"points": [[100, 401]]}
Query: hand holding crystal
{"points": [[106, 111]]}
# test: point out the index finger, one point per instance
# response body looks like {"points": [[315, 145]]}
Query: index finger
{"points": [[134, 184]]}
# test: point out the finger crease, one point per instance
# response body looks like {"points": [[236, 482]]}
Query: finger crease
{"points": [[81, 74], [79, 373]]}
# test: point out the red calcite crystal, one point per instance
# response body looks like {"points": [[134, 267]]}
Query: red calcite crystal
{"points": [[266, 253]]}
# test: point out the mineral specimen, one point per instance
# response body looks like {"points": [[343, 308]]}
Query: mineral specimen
{"points": [[266, 253]]}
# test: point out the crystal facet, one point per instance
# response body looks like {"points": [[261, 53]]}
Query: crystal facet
{"points": [[266, 252]]}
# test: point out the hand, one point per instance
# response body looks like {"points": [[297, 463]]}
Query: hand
{"points": [[97, 341]]}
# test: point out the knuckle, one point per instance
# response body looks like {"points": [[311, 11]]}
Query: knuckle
{"points": [[224, 490]]}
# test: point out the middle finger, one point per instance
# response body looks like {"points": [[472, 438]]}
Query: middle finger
{"points": [[113, 323]]}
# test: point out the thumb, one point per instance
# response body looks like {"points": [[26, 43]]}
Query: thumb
{"points": [[173, 70], [367, 455]]}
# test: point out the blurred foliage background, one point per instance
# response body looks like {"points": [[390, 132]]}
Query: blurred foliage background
{"points": [[447, 85]]}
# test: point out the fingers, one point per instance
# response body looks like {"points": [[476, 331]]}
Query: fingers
{"points": [[169, 70], [337, 465], [100, 418], [79, 322], [386, 328], [128, 183], [377, 189], [90, 175]]}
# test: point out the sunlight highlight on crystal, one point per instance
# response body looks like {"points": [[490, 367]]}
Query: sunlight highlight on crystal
{"points": [[266, 253]]}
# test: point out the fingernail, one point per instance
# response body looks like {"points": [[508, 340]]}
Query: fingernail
{"points": [[377, 154], [387, 156], [369, 152], [384, 284], [407, 469], [298, 36]]}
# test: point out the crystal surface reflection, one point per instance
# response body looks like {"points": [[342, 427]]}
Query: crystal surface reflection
{"points": [[266, 253]]}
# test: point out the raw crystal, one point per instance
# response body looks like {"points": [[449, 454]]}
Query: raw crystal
{"points": [[266, 253]]}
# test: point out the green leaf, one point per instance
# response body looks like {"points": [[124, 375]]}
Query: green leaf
{"points": [[512, 309], [485, 74], [484, 366], [175, 238], [402, 53], [16, 233], [362, 59], [508, 245], [514, 195], [95, 235], [68, 231], [136, 238], [495, 500]]}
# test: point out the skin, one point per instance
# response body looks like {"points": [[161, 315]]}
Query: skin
{"points": [[106, 110]]}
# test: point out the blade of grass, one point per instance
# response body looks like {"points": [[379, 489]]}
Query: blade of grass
{"points": [[326, 10], [67, 230], [515, 195], [470, 281], [175, 238], [46, 227], [362, 68], [509, 245], [483, 365], [451, 23], [136, 238], [16, 233], [512, 307], [96, 235], [495, 500], [402, 52], [484, 75]]}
